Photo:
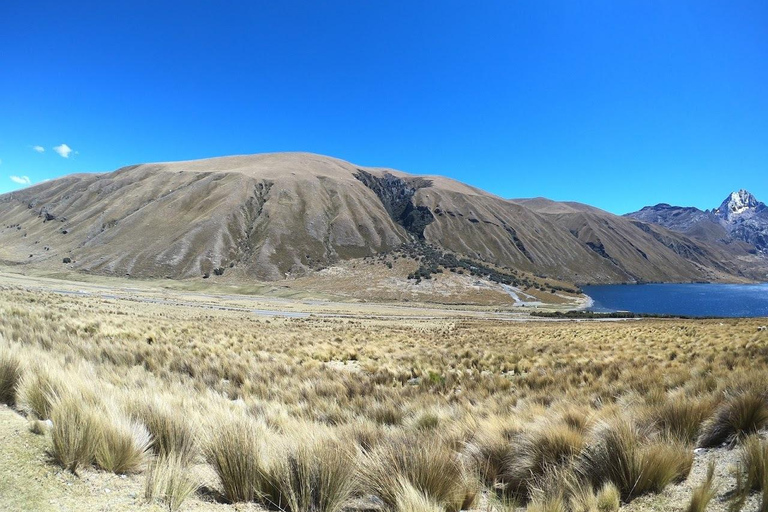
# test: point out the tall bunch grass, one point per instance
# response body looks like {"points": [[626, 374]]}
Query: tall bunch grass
{"points": [[123, 444], [309, 476], [169, 481], [10, 375], [680, 418], [235, 452], [76, 432], [754, 456], [410, 499], [170, 429], [425, 463], [38, 388], [704, 492], [545, 447], [618, 454], [735, 419]]}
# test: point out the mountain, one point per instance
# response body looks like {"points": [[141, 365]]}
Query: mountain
{"points": [[270, 216], [739, 224]]}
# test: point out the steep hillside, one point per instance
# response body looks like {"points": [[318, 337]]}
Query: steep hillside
{"points": [[641, 251], [272, 215]]}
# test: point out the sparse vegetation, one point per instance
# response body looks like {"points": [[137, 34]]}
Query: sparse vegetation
{"points": [[169, 481], [433, 260], [755, 461], [313, 414], [704, 493]]}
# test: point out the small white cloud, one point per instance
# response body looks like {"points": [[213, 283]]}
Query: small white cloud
{"points": [[21, 180], [63, 150], [39, 149]]}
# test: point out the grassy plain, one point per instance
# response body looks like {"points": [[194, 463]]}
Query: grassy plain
{"points": [[373, 408]]}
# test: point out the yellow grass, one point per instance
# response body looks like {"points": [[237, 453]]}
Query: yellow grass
{"points": [[429, 412]]}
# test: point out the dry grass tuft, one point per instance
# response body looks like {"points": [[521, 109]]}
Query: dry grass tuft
{"points": [[39, 427], [235, 453], [680, 418], [547, 504], [123, 445], [428, 405], [10, 375], [427, 464], [754, 456], [410, 499], [169, 481], [37, 389], [618, 454], [76, 432], [751, 474], [316, 476], [734, 420], [543, 448], [608, 498], [490, 448], [170, 430]]}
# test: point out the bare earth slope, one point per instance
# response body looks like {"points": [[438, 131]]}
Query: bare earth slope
{"points": [[271, 215]]}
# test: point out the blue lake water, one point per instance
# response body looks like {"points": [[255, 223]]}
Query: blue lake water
{"points": [[732, 300]]}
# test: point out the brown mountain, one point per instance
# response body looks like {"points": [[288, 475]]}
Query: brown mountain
{"points": [[291, 213]]}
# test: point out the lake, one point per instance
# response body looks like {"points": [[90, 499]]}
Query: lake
{"points": [[732, 300]]}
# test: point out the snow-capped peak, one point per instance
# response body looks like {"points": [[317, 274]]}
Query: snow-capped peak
{"points": [[737, 203]]}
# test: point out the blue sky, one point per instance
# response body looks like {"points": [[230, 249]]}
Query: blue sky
{"points": [[616, 104]]}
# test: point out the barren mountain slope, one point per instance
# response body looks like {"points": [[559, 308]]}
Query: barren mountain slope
{"points": [[640, 250], [739, 225], [265, 216]]}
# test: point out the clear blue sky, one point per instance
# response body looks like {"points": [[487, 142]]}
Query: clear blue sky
{"points": [[614, 103]]}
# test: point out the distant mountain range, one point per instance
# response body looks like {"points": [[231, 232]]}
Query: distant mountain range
{"points": [[739, 224], [269, 216]]}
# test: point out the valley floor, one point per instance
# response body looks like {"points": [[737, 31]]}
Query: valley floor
{"points": [[379, 406]]}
